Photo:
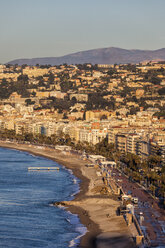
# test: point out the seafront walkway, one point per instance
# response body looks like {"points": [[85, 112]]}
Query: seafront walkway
{"points": [[130, 218], [153, 222]]}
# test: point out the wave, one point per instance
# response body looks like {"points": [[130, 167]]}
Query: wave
{"points": [[68, 220], [76, 241], [75, 193], [11, 203], [79, 229], [70, 171], [75, 181], [15, 161]]}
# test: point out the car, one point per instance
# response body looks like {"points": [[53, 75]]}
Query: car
{"points": [[129, 192], [135, 200]]}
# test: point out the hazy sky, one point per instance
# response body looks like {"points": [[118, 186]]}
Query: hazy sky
{"points": [[44, 28]]}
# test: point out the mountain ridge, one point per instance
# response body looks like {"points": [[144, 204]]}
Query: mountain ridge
{"points": [[109, 55]]}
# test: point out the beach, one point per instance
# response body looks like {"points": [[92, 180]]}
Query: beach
{"points": [[95, 207]]}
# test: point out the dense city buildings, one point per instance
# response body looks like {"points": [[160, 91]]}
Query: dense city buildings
{"points": [[124, 104]]}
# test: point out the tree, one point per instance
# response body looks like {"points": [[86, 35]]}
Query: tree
{"points": [[103, 117], [23, 78], [65, 116], [33, 93], [154, 161], [161, 91], [155, 80], [74, 100], [112, 71], [29, 102], [51, 78], [134, 110]]}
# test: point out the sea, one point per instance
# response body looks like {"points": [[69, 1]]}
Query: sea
{"points": [[28, 217]]}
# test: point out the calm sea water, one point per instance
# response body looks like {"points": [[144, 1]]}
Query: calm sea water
{"points": [[27, 216]]}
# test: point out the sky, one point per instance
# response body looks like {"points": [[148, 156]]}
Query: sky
{"points": [[50, 28]]}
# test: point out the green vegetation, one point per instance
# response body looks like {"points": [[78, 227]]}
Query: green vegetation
{"points": [[161, 91]]}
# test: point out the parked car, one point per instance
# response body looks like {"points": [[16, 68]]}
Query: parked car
{"points": [[135, 200]]}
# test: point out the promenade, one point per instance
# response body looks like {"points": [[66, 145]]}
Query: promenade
{"points": [[153, 221]]}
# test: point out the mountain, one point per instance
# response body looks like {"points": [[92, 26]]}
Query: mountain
{"points": [[111, 55]]}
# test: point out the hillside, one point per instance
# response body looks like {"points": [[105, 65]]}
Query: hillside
{"points": [[110, 55]]}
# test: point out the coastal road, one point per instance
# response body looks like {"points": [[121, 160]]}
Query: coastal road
{"points": [[153, 225]]}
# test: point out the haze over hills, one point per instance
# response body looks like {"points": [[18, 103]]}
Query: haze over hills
{"points": [[111, 55]]}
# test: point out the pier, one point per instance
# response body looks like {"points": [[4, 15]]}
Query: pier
{"points": [[43, 168]]}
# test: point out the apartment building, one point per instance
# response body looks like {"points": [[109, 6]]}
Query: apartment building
{"points": [[39, 128], [50, 128], [132, 143], [157, 145], [98, 135], [92, 136], [85, 135], [121, 142], [2, 125], [19, 127], [143, 147], [132, 146], [113, 131]]}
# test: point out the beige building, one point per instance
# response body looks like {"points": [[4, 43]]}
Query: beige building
{"points": [[132, 143], [121, 142], [96, 114], [57, 94], [92, 136], [79, 97], [35, 72], [42, 94], [143, 149]]}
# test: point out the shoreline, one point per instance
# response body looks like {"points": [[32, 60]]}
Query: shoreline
{"points": [[96, 212]]}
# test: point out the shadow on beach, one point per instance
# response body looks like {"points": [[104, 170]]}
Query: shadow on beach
{"points": [[107, 240]]}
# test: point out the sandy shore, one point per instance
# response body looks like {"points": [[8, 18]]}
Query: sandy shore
{"points": [[97, 211]]}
